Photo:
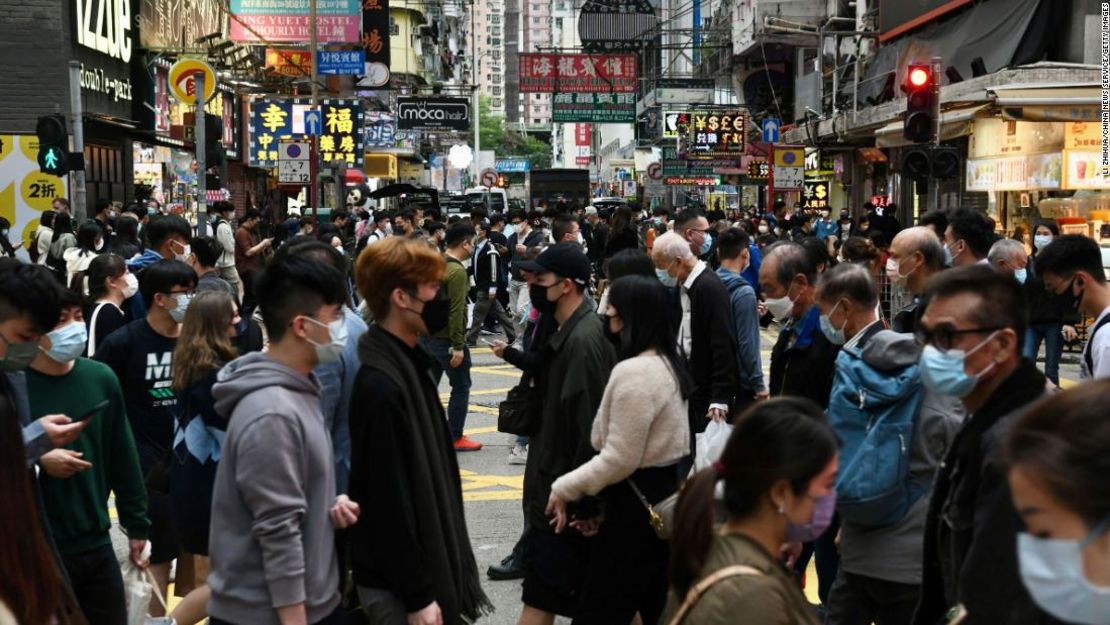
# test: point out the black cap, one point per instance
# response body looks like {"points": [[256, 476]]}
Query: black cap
{"points": [[563, 259]]}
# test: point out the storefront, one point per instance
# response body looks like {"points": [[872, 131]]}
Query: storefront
{"points": [[1046, 169]]}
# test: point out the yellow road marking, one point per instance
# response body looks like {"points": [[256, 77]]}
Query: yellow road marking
{"points": [[492, 371], [486, 430], [491, 487], [490, 391], [1066, 383]]}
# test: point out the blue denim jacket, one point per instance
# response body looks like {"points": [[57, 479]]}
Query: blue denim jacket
{"points": [[336, 380]]}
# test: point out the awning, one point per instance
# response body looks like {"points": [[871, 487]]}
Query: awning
{"points": [[1050, 104], [953, 124]]}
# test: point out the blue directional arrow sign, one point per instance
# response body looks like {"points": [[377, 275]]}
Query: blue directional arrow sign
{"points": [[312, 122], [771, 128]]}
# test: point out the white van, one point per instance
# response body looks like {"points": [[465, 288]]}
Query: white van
{"points": [[493, 199]]}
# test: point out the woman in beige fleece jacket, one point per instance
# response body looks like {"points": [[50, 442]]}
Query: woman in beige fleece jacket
{"points": [[640, 432]]}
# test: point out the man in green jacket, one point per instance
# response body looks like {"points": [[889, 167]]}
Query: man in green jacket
{"points": [[448, 346], [78, 477]]}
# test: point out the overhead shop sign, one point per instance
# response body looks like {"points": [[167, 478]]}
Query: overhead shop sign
{"points": [[608, 25], [169, 24], [104, 34], [692, 181], [711, 135], [432, 113], [292, 63], [381, 130], [816, 194], [512, 165], [341, 134], [593, 107], [578, 73], [286, 21], [675, 123], [340, 62], [375, 41]]}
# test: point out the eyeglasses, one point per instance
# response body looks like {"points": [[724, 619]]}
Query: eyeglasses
{"points": [[942, 337]]}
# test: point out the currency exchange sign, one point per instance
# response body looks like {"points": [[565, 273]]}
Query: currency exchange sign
{"points": [[714, 134]]}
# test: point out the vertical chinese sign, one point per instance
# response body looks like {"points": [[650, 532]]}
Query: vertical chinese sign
{"points": [[578, 73], [375, 31], [583, 138], [270, 121], [341, 137]]}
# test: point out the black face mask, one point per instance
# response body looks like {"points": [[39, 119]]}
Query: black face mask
{"points": [[436, 313], [538, 294], [1077, 300]]}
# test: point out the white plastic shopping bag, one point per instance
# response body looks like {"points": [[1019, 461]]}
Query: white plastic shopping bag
{"points": [[138, 587], [710, 444]]}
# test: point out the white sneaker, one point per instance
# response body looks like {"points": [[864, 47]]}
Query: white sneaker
{"points": [[518, 455]]}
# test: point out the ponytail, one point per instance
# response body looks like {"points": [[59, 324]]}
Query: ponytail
{"points": [[694, 521]]}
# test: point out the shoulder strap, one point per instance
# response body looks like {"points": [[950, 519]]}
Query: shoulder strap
{"points": [[1087, 357], [698, 589]]}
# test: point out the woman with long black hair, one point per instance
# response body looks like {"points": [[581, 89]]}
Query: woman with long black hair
{"points": [[641, 431]]}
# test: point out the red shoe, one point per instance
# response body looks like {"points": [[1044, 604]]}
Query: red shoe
{"points": [[465, 444]]}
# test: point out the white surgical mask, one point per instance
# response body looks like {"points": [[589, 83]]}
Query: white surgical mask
{"points": [[1041, 241], [130, 285], [1052, 570], [330, 351], [181, 304], [780, 307]]}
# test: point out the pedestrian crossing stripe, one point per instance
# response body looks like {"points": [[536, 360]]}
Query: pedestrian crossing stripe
{"points": [[491, 487]]}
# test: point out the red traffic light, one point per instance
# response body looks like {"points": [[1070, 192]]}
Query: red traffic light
{"points": [[919, 76]]}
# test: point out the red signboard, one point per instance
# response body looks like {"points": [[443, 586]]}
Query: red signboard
{"points": [[581, 134], [293, 63], [577, 73]]}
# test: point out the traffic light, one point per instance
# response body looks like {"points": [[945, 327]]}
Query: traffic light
{"points": [[213, 140], [53, 144], [916, 163], [503, 181], [922, 93], [946, 162]]}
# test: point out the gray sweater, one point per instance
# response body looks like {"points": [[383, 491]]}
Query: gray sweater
{"points": [[272, 544]]}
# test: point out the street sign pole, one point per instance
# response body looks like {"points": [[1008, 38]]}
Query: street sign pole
{"points": [[80, 211], [202, 167], [312, 179], [934, 184], [771, 182]]}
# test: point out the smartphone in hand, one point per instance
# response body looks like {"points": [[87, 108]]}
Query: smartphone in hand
{"points": [[91, 412]]}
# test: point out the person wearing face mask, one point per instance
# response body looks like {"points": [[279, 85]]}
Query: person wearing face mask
{"points": [[876, 406], [76, 479], [448, 346], [168, 238], [141, 355], [1057, 469], [779, 470], [971, 331], [89, 241], [640, 431], [577, 363], [206, 344], [916, 254], [1071, 268], [273, 499], [734, 251], [707, 333], [103, 216], [968, 238], [491, 284], [1052, 317], [693, 226], [110, 284], [413, 565], [203, 252], [825, 226], [803, 361], [336, 377]]}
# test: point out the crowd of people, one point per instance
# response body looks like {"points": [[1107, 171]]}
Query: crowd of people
{"points": [[260, 416]]}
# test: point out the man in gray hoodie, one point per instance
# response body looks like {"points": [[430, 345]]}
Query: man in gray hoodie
{"points": [[272, 543]]}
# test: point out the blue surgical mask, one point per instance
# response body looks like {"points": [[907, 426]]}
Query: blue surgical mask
{"points": [[1020, 275], [666, 278], [18, 356], [835, 335], [706, 244], [181, 304], [1052, 570], [948, 258], [510, 230], [1041, 241], [943, 372], [67, 342]]}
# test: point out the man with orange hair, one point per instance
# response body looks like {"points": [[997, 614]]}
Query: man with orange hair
{"points": [[412, 562]]}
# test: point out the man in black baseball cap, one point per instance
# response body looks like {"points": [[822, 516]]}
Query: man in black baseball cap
{"points": [[572, 380]]}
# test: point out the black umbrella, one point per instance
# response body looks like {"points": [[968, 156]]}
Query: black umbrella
{"points": [[393, 190]]}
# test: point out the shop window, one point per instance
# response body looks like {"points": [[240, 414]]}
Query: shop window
{"points": [[394, 30]]}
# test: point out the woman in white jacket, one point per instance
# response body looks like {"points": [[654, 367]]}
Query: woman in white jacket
{"points": [[90, 240], [641, 431]]}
